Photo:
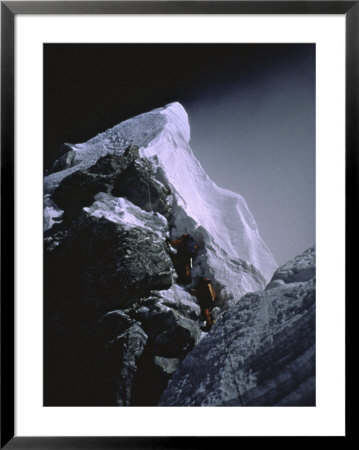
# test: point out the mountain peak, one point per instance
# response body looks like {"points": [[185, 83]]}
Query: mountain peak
{"points": [[176, 114], [235, 254], [122, 288]]}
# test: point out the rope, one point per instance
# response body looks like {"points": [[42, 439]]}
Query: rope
{"points": [[226, 343], [148, 190], [226, 281], [231, 362]]}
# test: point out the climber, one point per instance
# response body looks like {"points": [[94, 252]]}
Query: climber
{"points": [[206, 297], [183, 260]]}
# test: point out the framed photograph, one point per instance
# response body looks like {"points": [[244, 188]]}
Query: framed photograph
{"points": [[175, 181]]}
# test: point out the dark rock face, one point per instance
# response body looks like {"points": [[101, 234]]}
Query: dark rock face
{"points": [[178, 338], [79, 188], [138, 184], [111, 265], [65, 161], [126, 175], [125, 351], [159, 321], [261, 352], [98, 266], [301, 268], [112, 165], [132, 152], [115, 325], [112, 324]]}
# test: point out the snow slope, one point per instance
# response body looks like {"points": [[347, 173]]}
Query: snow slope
{"points": [[232, 252], [222, 213]]}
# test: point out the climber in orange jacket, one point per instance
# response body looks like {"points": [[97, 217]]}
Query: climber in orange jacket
{"points": [[206, 296], [183, 260]]}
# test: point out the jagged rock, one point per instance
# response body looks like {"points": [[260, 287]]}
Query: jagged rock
{"points": [[62, 150], [178, 339], [104, 265], [111, 166], [261, 352], [162, 354], [179, 299], [154, 370], [157, 319], [139, 185], [55, 238], [301, 268], [132, 152], [123, 176], [154, 319], [174, 298], [113, 324], [78, 189], [274, 284], [125, 351], [65, 161]]}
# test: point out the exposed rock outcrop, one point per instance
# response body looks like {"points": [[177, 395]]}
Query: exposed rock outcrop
{"points": [[124, 352], [301, 268], [65, 161]]}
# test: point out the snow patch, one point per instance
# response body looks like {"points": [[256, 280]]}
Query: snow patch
{"points": [[223, 214], [122, 211], [52, 213]]}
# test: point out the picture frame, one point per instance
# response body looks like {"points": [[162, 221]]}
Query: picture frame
{"points": [[9, 10]]}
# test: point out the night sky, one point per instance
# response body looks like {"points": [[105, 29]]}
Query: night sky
{"points": [[251, 109]]}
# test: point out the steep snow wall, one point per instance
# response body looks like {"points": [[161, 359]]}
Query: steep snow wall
{"points": [[232, 252], [222, 213]]}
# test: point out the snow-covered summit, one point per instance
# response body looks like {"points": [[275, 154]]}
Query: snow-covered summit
{"points": [[232, 251], [222, 213], [177, 120]]}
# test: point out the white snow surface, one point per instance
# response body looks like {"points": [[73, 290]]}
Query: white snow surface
{"points": [[122, 211], [51, 212], [232, 250], [178, 295], [222, 213]]}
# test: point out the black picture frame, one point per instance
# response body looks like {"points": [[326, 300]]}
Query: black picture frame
{"points": [[9, 10]]}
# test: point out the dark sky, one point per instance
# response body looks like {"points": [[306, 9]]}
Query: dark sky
{"points": [[251, 109]]}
